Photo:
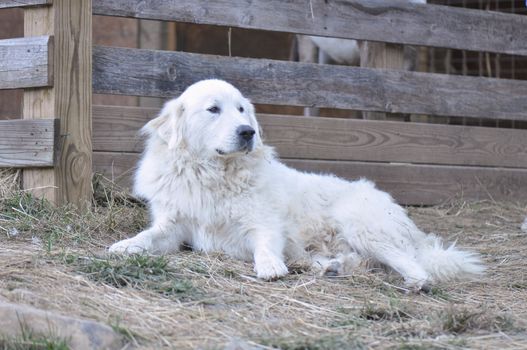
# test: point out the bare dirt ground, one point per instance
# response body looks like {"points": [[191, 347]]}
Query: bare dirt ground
{"points": [[54, 259]]}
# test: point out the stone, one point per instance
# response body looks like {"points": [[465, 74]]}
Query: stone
{"points": [[78, 333]]}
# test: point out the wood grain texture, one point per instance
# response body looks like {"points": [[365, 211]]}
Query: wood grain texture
{"points": [[27, 143], [23, 3], [116, 129], [69, 100], [382, 56], [376, 20], [38, 104], [166, 74], [26, 62], [409, 184]]}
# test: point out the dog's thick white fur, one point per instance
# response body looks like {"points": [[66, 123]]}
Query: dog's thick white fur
{"points": [[211, 183]]}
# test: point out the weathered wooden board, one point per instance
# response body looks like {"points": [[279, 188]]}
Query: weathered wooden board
{"points": [[23, 3], [116, 129], [27, 143], [429, 184], [376, 20], [381, 56], [165, 74], [26, 62], [69, 100], [409, 184]]}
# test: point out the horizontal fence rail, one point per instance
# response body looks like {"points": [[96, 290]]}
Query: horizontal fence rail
{"points": [[409, 184], [166, 74], [116, 129], [23, 3], [28, 143], [342, 146], [375, 20], [26, 62]]}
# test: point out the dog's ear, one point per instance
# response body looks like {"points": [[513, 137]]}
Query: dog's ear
{"points": [[254, 123], [168, 124]]}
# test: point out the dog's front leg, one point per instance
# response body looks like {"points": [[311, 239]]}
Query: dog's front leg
{"points": [[268, 249], [160, 238]]}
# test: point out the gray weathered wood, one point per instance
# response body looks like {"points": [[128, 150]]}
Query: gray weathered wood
{"points": [[165, 74], [116, 129], [26, 62], [23, 3], [429, 184], [27, 143], [381, 56], [409, 184], [376, 20]]}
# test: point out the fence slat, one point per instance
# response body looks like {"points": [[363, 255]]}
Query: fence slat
{"points": [[27, 143], [376, 20], [165, 74], [70, 22], [409, 184], [23, 3], [116, 128], [26, 62]]}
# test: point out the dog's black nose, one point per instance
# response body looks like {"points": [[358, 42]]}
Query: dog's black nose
{"points": [[245, 132]]}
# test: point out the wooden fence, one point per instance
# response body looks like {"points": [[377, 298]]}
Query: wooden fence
{"points": [[418, 163]]}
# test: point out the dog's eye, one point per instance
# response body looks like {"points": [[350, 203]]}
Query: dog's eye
{"points": [[241, 109], [214, 109]]}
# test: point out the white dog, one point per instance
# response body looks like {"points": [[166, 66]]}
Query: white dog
{"points": [[212, 184]]}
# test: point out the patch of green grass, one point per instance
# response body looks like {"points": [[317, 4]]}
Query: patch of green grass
{"points": [[348, 318], [136, 271], [28, 216], [126, 271], [348, 322], [372, 312], [418, 346], [459, 342], [124, 331], [322, 343], [34, 343], [23, 216], [439, 293], [29, 340], [518, 285], [197, 267], [459, 321], [229, 273], [22, 205]]}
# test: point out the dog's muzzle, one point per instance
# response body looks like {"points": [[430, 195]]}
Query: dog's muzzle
{"points": [[245, 137]]}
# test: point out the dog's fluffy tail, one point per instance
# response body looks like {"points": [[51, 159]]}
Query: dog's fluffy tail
{"points": [[448, 263]]}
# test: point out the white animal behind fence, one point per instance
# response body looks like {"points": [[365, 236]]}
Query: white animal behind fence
{"points": [[326, 50]]}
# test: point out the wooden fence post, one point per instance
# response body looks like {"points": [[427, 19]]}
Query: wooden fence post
{"points": [[69, 99], [384, 56]]}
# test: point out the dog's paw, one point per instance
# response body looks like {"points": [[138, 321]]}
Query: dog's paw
{"points": [[270, 268], [129, 246], [333, 269], [416, 285]]}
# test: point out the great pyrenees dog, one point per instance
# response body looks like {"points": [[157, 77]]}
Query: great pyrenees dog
{"points": [[211, 183]]}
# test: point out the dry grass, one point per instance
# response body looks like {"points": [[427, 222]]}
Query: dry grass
{"points": [[55, 259]]}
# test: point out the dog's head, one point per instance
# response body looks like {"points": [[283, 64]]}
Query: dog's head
{"points": [[210, 118]]}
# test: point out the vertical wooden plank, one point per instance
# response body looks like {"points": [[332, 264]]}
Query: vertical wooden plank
{"points": [[69, 100], [39, 104], [384, 56]]}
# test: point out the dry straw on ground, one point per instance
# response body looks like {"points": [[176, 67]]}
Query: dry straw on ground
{"points": [[55, 259]]}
